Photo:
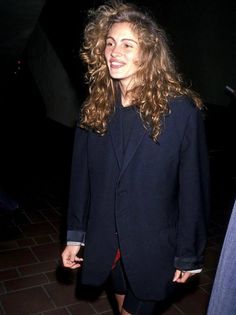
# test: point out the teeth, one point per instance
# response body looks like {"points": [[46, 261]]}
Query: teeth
{"points": [[116, 64]]}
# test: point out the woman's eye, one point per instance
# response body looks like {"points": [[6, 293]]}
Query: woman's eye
{"points": [[109, 44], [128, 46]]}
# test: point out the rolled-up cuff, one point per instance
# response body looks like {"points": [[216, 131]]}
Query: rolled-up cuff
{"points": [[188, 263], [74, 243], [195, 271], [76, 236]]}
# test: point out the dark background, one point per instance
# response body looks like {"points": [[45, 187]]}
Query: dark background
{"points": [[42, 88]]}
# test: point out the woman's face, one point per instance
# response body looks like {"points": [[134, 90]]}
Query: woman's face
{"points": [[122, 53]]}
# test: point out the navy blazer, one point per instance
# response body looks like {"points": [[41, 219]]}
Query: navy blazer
{"points": [[155, 198]]}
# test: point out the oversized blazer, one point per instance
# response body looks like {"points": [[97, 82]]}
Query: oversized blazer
{"points": [[152, 201]]}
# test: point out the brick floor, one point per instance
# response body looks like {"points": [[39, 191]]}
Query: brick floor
{"points": [[33, 282]]}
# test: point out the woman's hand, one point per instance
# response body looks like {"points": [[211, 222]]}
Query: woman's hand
{"points": [[69, 258], [182, 276]]}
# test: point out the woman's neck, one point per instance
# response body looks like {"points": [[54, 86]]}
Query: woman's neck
{"points": [[126, 99]]}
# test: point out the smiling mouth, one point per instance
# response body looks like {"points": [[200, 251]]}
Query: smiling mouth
{"points": [[116, 65]]}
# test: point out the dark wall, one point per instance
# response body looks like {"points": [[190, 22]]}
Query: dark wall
{"points": [[18, 19], [202, 36], [201, 33]]}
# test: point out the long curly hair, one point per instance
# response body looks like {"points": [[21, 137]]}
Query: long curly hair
{"points": [[157, 80]]}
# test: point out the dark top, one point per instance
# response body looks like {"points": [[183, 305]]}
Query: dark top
{"points": [[127, 118]]}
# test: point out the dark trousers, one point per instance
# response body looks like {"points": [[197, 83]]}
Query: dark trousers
{"points": [[132, 304]]}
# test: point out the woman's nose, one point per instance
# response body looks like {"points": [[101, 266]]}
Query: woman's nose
{"points": [[116, 51]]}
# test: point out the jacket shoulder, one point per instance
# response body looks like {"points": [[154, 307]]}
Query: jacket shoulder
{"points": [[182, 104], [183, 107]]}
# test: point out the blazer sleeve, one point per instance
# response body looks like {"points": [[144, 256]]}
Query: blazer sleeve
{"points": [[79, 194], [193, 195]]}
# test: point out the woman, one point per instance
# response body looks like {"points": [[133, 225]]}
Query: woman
{"points": [[138, 198]]}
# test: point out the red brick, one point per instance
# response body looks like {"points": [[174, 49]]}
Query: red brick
{"points": [[2, 290], [26, 302], [82, 308], [211, 258], [25, 242], [18, 257], [202, 278], [43, 239], [35, 216], [26, 282], [207, 288], [171, 311], [37, 229], [51, 276], [194, 303], [59, 311], [8, 245], [37, 268], [61, 294], [56, 225], [8, 274], [1, 311], [47, 251], [51, 214], [101, 305], [55, 237]]}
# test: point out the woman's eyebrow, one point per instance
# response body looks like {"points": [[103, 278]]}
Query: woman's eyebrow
{"points": [[123, 39]]}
